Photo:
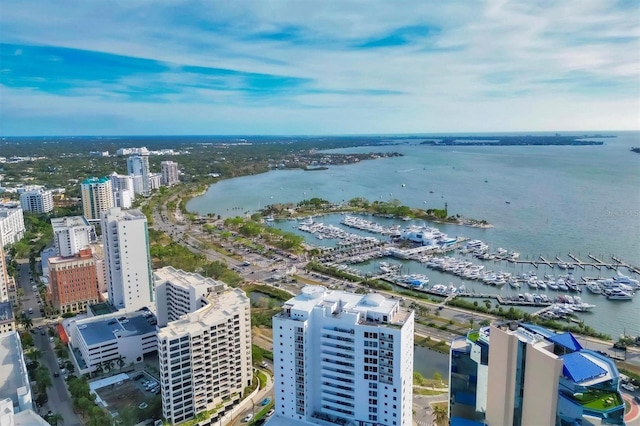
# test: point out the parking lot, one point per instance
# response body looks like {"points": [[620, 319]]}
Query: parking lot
{"points": [[128, 393]]}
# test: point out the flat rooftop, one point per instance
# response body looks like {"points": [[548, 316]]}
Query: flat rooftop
{"points": [[6, 312], [102, 309], [186, 279], [61, 223], [100, 329], [12, 375]]}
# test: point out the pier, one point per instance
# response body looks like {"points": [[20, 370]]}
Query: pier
{"points": [[546, 262], [622, 263], [579, 262]]}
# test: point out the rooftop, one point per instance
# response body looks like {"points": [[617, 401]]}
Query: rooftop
{"points": [[102, 309], [94, 180], [312, 296], [102, 329], [62, 223], [186, 279], [6, 313], [12, 367]]}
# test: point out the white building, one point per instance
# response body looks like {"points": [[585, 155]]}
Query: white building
{"points": [[343, 358], [70, 234], [169, 171], [155, 181], [4, 277], [205, 347], [11, 225], [133, 151], [26, 417], [97, 197], [13, 373], [95, 340], [138, 165], [37, 201], [123, 190], [127, 261]]}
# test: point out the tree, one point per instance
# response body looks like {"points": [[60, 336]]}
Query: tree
{"points": [[82, 404], [440, 415], [128, 416], [26, 322], [43, 379], [107, 365], [55, 419], [120, 361], [34, 355]]}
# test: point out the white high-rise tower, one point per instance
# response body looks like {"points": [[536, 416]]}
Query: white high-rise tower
{"points": [[343, 358], [127, 260]]}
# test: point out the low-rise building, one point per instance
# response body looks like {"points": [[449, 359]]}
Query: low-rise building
{"points": [[108, 338], [7, 318]]}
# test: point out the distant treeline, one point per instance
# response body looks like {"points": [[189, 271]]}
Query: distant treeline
{"points": [[510, 141]]}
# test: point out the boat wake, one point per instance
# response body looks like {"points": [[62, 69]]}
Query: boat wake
{"points": [[404, 171]]}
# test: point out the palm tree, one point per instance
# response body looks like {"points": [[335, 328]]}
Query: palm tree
{"points": [[121, 362], [440, 415], [27, 322], [43, 379], [107, 365], [34, 355], [55, 419]]}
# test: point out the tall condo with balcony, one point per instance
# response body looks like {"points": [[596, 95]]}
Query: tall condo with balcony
{"points": [[343, 358], [169, 171], [127, 260], [138, 165], [97, 197], [204, 345]]}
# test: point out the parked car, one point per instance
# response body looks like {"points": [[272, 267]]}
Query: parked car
{"points": [[247, 418], [628, 386], [270, 412], [265, 401], [264, 364]]}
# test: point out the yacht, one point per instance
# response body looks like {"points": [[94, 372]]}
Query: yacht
{"points": [[514, 284], [617, 294], [553, 286], [594, 287]]}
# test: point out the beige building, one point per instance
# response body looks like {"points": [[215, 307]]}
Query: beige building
{"points": [[97, 197], [204, 345]]}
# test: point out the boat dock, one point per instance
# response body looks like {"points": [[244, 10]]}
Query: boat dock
{"points": [[579, 263], [626, 265]]}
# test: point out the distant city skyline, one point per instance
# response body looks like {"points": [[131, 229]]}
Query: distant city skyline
{"points": [[296, 67]]}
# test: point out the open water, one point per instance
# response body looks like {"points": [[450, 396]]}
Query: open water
{"points": [[561, 199]]}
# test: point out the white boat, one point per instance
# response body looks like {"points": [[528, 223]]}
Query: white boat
{"points": [[514, 284], [617, 294], [594, 287]]}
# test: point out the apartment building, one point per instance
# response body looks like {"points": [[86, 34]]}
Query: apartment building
{"points": [[204, 345], [123, 190], [97, 197], [71, 234], [73, 281], [4, 277], [169, 172], [343, 358], [127, 261], [36, 201], [523, 374], [138, 165], [11, 225]]}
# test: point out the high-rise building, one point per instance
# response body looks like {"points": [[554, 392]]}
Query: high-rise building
{"points": [[523, 374], [169, 171], [71, 234], [73, 281], [97, 197], [123, 190], [11, 225], [36, 201], [155, 181], [138, 165], [204, 345], [343, 358], [127, 261], [4, 277]]}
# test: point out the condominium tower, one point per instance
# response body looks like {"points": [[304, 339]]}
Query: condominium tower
{"points": [[169, 171], [204, 345], [36, 201], [523, 374], [138, 165], [97, 197], [71, 234], [11, 225], [343, 358], [127, 261], [123, 190]]}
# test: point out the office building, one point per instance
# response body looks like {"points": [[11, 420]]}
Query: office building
{"points": [[123, 190], [73, 282], [36, 201], [13, 373], [204, 345], [169, 171], [523, 374], [127, 262], [97, 197], [99, 339], [138, 165], [343, 358], [11, 225], [71, 234]]}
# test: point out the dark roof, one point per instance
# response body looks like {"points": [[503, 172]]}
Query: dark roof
{"points": [[579, 368], [566, 340]]}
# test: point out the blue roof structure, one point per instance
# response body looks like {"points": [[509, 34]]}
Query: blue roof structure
{"points": [[566, 340], [544, 332], [579, 368], [459, 421]]}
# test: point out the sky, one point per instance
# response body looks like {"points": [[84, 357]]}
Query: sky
{"points": [[317, 67]]}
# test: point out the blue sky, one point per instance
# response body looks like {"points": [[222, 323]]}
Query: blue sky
{"points": [[331, 67]]}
